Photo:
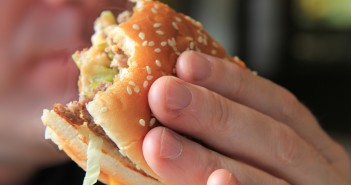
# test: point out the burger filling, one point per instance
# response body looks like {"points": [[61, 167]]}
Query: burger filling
{"points": [[99, 66], [102, 63]]}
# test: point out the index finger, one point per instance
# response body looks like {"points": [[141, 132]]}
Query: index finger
{"points": [[240, 85]]}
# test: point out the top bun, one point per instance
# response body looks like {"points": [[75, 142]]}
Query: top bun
{"points": [[153, 37]]}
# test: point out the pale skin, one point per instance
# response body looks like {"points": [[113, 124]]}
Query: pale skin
{"points": [[251, 130], [37, 39]]}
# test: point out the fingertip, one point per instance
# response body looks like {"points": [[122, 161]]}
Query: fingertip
{"points": [[167, 97], [183, 67], [156, 92], [222, 177], [161, 144], [162, 149], [151, 147], [193, 66]]}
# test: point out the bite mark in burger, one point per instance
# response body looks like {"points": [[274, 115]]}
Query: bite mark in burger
{"points": [[127, 55]]}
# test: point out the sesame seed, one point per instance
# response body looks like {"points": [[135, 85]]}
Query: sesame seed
{"points": [[156, 6], [136, 27], [151, 43], [158, 63], [129, 90], [205, 41], [148, 69], [200, 39], [157, 25], [189, 38], [160, 32], [172, 42], [164, 43], [149, 77], [175, 26], [213, 52], [157, 50], [142, 122], [154, 10], [197, 23], [145, 84], [152, 122], [178, 19], [140, 6], [142, 35], [192, 45], [145, 43], [136, 89], [137, 167], [131, 83]]}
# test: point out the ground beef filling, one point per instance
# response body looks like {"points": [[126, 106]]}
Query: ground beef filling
{"points": [[76, 114]]}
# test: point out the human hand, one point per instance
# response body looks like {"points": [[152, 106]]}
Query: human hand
{"points": [[251, 130]]}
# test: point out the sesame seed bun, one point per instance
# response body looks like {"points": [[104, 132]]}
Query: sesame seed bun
{"points": [[74, 141], [152, 38]]}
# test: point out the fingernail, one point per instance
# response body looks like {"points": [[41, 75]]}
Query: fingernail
{"points": [[222, 177], [200, 67], [171, 147], [178, 96]]}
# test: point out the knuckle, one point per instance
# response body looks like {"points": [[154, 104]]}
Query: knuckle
{"points": [[290, 108], [236, 88], [221, 115], [287, 151], [213, 163]]}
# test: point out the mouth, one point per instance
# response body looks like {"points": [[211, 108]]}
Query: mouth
{"points": [[53, 76], [44, 61]]}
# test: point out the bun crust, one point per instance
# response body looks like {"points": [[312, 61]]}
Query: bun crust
{"points": [[152, 38], [155, 36], [74, 141]]}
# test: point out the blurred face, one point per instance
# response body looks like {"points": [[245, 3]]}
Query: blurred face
{"points": [[37, 39]]}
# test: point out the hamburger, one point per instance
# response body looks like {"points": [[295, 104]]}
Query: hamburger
{"points": [[103, 131]]}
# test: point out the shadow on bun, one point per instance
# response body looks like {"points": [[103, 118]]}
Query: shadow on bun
{"points": [[128, 53]]}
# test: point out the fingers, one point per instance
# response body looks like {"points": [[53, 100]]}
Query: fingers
{"points": [[235, 130], [240, 85], [237, 83], [182, 162], [222, 177]]}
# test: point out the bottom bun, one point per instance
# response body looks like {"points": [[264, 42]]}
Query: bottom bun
{"points": [[74, 141]]}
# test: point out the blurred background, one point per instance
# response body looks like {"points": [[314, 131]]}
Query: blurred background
{"points": [[303, 45]]}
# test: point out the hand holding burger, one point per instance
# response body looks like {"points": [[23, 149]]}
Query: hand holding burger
{"points": [[251, 130], [109, 122], [247, 126]]}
